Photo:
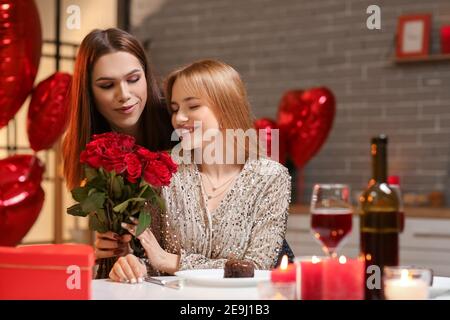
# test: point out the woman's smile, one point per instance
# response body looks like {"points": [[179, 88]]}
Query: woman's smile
{"points": [[127, 109]]}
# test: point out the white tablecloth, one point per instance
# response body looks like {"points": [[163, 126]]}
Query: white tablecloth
{"points": [[108, 290]]}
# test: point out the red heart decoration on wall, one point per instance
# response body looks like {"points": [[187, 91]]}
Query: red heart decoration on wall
{"points": [[20, 52], [49, 112], [305, 119], [268, 125], [21, 196]]}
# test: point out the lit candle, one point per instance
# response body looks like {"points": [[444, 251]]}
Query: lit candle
{"points": [[285, 273], [405, 288], [343, 279], [309, 278]]}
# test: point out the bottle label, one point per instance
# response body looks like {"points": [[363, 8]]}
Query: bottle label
{"points": [[380, 222]]}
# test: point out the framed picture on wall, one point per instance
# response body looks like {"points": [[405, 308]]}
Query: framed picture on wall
{"points": [[413, 35]]}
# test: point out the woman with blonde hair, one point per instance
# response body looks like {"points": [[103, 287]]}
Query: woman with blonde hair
{"points": [[215, 210]]}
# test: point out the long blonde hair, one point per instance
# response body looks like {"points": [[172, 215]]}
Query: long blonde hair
{"points": [[222, 87]]}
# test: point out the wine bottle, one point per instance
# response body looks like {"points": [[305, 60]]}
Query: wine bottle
{"points": [[379, 221], [394, 183]]}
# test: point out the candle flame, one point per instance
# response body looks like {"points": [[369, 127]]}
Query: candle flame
{"points": [[342, 260], [284, 263], [404, 275], [315, 260]]}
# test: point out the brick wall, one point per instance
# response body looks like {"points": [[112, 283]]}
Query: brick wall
{"points": [[282, 44]]}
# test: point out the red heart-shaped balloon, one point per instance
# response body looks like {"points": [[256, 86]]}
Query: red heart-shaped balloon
{"points": [[305, 119], [21, 196], [20, 52], [16, 221], [269, 125], [49, 112]]}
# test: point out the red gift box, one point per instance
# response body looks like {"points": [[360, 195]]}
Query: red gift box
{"points": [[60, 272]]}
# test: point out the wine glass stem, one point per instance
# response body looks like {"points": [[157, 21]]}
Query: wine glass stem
{"points": [[330, 251]]}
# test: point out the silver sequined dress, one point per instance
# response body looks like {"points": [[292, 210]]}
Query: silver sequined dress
{"points": [[249, 223]]}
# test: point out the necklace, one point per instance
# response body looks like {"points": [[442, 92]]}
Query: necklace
{"points": [[214, 188], [215, 195], [211, 196]]}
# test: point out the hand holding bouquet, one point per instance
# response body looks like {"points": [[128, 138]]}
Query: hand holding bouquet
{"points": [[122, 181]]}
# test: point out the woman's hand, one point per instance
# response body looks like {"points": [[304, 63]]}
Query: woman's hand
{"points": [[110, 244], [159, 259], [128, 269]]}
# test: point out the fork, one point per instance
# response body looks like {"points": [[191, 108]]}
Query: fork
{"points": [[172, 284]]}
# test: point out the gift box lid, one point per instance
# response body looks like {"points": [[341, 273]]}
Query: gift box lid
{"points": [[47, 255]]}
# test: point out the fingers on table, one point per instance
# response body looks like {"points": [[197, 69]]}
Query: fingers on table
{"points": [[117, 273], [127, 269], [139, 269]]}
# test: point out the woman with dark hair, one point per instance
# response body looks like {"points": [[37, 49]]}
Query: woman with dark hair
{"points": [[113, 89]]}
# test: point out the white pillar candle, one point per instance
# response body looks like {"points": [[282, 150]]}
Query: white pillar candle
{"points": [[406, 288]]}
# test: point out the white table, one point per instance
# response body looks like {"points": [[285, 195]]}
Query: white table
{"points": [[108, 290]]}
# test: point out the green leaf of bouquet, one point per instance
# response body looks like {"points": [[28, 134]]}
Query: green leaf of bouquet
{"points": [[93, 202], [101, 214], [96, 225], [80, 193], [127, 191], [98, 183], [117, 187], [103, 174], [76, 211], [144, 222], [160, 201], [90, 173], [147, 192], [117, 227], [121, 207], [143, 183]]}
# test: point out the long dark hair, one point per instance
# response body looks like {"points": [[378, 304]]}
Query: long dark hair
{"points": [[85, 120]]}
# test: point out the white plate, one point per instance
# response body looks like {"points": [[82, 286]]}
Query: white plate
{"points": [[214, 277], [439, 293]]}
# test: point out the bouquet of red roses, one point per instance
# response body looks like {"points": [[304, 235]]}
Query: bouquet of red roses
{"points": [[122, 180]]}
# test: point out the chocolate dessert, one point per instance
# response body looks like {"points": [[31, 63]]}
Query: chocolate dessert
{"points": [[239, 269]]}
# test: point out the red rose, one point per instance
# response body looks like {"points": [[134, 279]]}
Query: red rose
{"points": [[146, 155], [127, 142], [134, 167], [158, 167], [108, 150], [114, 159], [91, 159], [118, 152], [165, 157], [157, 174]]}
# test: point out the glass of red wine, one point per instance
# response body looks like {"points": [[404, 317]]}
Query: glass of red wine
{"points": [[331, 215]]}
